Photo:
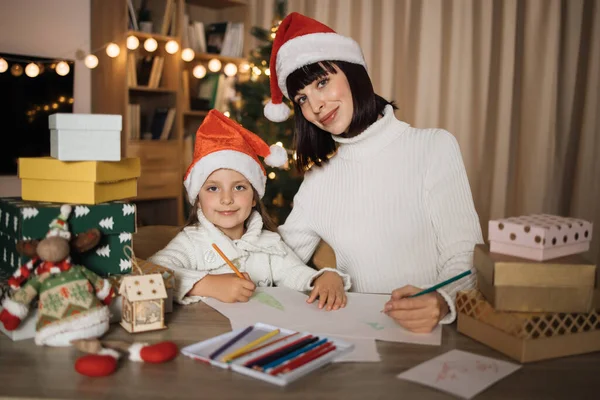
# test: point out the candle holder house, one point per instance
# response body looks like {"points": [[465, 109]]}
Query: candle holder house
{"points": [[143, 303]]}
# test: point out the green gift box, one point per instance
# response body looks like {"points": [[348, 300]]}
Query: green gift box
{"points": [[26, 220]]}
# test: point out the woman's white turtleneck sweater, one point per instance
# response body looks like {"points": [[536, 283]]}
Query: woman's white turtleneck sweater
{"points": [[395, 205]]}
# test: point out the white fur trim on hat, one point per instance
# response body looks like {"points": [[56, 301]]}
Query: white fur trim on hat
{"points": [[308, 49], [105, 291], [109, 352], [135, 351], [276, 112], [278, 156], [229, 159], [17, 309]]}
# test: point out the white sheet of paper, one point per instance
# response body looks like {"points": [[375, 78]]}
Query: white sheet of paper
{"points": [[460, 373], [365, 350], [287, 308]]}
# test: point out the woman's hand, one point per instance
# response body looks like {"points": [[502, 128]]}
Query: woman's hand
{"points": [[417, 314], [329, 288], [228, 288]]}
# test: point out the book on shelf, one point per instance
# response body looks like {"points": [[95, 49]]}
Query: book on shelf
{"points": [[170, 9], [131, 70], [156, 72], [133, 24], [162, 122], [133, 121], [225, 38], [214, 91]]}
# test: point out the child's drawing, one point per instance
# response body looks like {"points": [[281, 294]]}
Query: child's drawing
{"points": [[461, 373], [268, 300], [375, 325]]}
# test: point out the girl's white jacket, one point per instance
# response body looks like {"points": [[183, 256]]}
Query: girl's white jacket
{"points": [[260, 253]]}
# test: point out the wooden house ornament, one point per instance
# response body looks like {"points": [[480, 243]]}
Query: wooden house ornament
{"points": [[143, 302]]}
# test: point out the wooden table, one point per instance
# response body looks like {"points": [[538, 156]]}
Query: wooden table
{"points": [[29, 371]]}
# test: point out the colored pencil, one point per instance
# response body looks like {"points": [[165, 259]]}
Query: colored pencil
{"points": [[228, 261], [441, 284], [258, 358], [267, 344], [305, 360], [274, 355], [309, 354], [230, 342], [293, 354], [250, 345]]}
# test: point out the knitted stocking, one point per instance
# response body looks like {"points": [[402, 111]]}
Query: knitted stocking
{"points": [[103, 361]]}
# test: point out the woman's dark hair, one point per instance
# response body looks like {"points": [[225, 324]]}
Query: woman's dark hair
{"points": [[314, 145], [268, 223]]}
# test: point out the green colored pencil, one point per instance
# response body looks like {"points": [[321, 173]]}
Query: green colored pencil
{"points": [[441, 284]]}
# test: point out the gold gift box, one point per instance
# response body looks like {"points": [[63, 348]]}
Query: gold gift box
{"points": [[78, 182], [527, 337]]}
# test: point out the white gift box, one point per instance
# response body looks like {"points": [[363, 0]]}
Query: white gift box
{"points": [[85, 137]]}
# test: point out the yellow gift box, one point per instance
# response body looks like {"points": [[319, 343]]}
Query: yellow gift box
{"points": [[80, 182]]}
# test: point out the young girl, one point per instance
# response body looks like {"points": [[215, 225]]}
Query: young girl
{"points": [[225, 184], [392, 201]]}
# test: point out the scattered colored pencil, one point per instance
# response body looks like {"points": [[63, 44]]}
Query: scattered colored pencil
{"points": [[230, 342], [228, 261], [441, 284], [293, 354], [306, 358], [250, 345]]}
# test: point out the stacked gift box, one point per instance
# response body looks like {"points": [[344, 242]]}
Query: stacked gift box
{"points": [[535, 296], [85, 170]]}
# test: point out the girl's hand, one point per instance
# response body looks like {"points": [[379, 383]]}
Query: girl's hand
{"points": [[228, 288], [329, 288], [418, 314]]}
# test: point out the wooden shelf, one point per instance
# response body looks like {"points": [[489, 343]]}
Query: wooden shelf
{"points": [[217, 3], [194, 113], [146, 35], [151, 90], [225, 59]]}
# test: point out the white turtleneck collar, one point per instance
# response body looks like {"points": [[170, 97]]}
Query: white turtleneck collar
{"points": [[372, 139]]}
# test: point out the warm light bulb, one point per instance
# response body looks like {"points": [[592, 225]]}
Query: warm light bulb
{"points": [[272, 175], [244, 67], [230, 69], [32, 70], [62, 68], [171, 47], [3, 65], [227, 114], [267, 72], [91, 61], [256, 71], [133, 42], [279, 144], [273, 35], [199, 71], [187, 54], [214, 65], [150, 45], [113, 50]]}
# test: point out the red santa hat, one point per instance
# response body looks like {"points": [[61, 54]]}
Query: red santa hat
{"points": [[301, 41], [223, 143]]}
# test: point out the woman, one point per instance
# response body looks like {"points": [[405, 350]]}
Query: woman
{"points": [[392, 201]]}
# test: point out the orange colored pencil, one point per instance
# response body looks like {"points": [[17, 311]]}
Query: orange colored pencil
{"points": [[266, 345], [224, 257]]}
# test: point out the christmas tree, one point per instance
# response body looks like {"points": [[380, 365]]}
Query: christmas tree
{"points": [[282, 184]]}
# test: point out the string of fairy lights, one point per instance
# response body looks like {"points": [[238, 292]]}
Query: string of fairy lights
{"points": [[32, 68]]}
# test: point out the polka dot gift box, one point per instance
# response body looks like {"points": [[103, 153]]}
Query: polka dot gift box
{"points": [[539, 237]]}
